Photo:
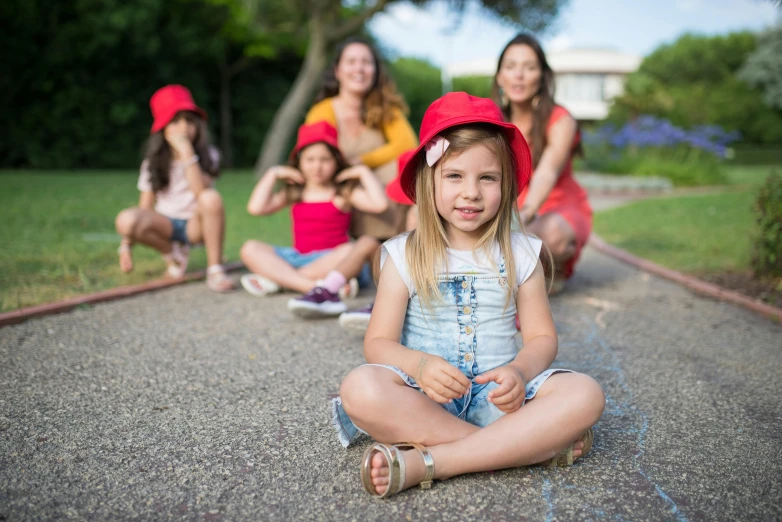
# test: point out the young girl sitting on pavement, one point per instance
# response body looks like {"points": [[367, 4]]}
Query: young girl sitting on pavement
{"points": [[322, 189], [318, 302], [446, 390], [178, 206]]}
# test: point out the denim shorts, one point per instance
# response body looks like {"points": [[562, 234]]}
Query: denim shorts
{"points": [[474, 407], [297, 260], [179, 232]]}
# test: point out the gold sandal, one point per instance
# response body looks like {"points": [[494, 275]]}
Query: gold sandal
{"points": [[565, 457], [396, 467]]}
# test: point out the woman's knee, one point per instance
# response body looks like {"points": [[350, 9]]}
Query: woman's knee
{"points": [[126, 221], [362, 390], [556, 237], [209, 200]]}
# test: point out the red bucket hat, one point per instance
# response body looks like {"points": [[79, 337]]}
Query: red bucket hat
{"points": [[321, 131], [394, 189], [169, 100], [459, 108]]}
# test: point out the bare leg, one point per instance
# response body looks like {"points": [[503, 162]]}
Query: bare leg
{"points": [[261, 259], [564, 408], [145, 226], [558, 236], [378, 401], [326, 263], [208, 226], [363, 251]]}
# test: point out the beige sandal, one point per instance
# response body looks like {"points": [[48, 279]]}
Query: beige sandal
{"points": [[217, 280], [396, 467], [565, 457]]}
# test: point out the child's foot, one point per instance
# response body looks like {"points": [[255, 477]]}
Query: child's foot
{"points": [[125, 257], [259, 285], [357, 319], [349, 290], [177, 260], [573, 452], [318, 302], [217, 280], [378, 478]]}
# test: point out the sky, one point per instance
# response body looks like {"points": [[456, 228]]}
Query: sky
{"points": [[630, 26]]}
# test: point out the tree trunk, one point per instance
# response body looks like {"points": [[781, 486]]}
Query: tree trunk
{"points": [[292, 107], [226, 122]]}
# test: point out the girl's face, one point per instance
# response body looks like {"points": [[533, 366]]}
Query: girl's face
{"points": [[520, 74], [317, 164], [182, 124], [356, 68], [468, 193]]}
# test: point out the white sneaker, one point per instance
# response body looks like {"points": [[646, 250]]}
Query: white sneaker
{"points": [[357, 319], [259, 285]]}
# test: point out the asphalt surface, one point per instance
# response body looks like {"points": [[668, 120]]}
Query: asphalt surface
{"points": [[186, 405]]}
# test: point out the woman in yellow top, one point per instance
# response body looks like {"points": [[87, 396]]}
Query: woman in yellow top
{"points": [[360, 99]]}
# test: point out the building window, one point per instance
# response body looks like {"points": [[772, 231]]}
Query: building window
{"points": [[581, 87]]}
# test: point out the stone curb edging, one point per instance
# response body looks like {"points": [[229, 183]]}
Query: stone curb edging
{"points": [[23, 314], [693, 283]]}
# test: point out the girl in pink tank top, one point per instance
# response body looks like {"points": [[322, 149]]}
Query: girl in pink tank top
{"points": [[321, 189]]}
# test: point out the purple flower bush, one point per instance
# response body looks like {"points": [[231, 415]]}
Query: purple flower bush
{"points": [[651, 146]]}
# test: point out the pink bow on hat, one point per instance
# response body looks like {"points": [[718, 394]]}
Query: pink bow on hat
{"points": [[435, 149]]}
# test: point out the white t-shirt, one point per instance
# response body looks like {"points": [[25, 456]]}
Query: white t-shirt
{"points": [[526, 250], [176, 200]]}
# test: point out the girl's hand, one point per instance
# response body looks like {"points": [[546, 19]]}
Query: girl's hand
{"points": [[179, 143], [289, 175], [527, 215], [440, 380], [509, 395]]}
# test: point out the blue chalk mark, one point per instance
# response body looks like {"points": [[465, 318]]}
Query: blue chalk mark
{"points": [[546, 493], [593, 338]]}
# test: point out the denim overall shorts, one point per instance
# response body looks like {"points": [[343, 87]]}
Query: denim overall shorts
{"points": [[473, 327]]}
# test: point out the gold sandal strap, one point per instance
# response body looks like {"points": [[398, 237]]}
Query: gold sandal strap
{"points": [[426, 483], [396, 473]]}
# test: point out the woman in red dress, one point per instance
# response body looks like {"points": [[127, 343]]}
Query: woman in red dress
{"points": [[553, 206]]}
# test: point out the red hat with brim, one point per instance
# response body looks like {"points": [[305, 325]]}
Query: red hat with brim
{"points": [[309, 134], [394, 189], [167, 102], [459, 108]]}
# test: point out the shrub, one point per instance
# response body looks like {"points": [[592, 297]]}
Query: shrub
{"points": [[652, 146], [767, 258]]}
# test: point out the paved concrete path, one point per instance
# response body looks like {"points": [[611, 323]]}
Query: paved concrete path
{"points": [[188, 405]]}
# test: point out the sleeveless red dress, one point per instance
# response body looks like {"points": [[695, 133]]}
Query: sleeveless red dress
{"points": [[567, 198]]}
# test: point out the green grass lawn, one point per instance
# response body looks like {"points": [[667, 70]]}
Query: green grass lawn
{"points": [[697, 234], [58, 237]]}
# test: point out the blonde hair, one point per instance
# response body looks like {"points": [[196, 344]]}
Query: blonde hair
{"points": [[425, 251]]}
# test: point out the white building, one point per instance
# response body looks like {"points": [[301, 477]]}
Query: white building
{"points": [[586, 79]]}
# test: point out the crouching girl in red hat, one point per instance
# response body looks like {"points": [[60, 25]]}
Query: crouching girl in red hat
{"points": [[178, 206], [446, 390], [322, 189]]}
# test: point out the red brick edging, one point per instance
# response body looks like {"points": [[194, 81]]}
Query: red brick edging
{"points": [[693, 283], [23, 314]]}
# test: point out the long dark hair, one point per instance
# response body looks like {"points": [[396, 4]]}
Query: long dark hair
{"points": [[158, 153], [382, 98], [293, 192], [543, 102]]}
